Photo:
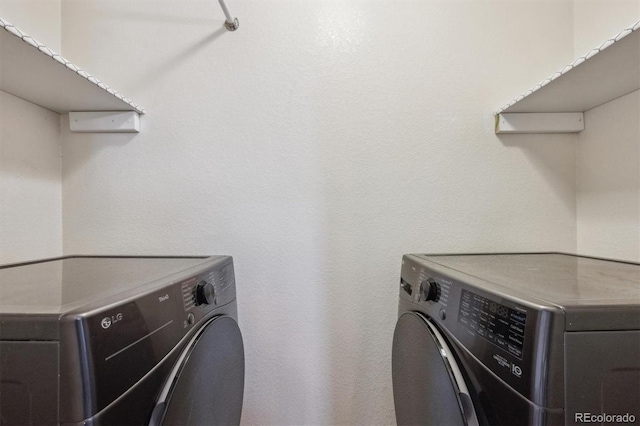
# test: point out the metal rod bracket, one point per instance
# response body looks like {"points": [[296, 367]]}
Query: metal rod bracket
{"points": [[232, 26]]}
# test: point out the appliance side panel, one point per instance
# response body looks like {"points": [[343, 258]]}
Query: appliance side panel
{"points": [[589, 318], [29, 382], [602, 376], [25, 327]]}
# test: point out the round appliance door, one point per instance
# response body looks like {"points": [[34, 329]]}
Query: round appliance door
{"points": [[428, 386], [207, 383]]}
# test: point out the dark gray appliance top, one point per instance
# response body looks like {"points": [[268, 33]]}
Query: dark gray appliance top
{"points": [[56, 286], [560, 279]]}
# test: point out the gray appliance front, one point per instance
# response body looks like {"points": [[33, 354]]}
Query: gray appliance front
{"points": [[105, 363], [521, 363]]}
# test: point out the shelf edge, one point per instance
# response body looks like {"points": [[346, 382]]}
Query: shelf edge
{"points": [[622, 34], [14, 31]]}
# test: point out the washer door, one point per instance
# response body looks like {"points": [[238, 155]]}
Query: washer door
{"points": [[207, 383], [428, 386]]}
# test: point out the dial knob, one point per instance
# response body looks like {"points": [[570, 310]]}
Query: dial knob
{"points": [[430, 290], [205, 293]]}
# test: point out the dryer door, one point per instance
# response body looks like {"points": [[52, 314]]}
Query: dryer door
{"points": [[206, 385], [428, 386]]}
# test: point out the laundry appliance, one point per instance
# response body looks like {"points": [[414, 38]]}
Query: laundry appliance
{"points": [[120, 341], [517, 339]]}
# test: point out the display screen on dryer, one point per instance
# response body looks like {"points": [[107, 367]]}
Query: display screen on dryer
{"points": [[493, 321]]}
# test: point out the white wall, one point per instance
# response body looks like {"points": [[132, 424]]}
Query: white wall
{"points": [[30, 181], [41, 19], [608, 200], [30, 164], [595, 21], [608, 161], [317, 144]]}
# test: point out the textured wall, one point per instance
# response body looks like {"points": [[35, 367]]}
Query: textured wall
{"points": [[40, 19], [30, 181], [316, 145], [597, 20], [608, 165], [30, 164], [608, 200]]}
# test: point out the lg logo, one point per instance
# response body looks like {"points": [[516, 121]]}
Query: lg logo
{"points": [[106, 322]]}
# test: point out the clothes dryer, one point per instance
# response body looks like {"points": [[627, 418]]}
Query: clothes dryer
{"points": [[120, 341], [517, 339]]}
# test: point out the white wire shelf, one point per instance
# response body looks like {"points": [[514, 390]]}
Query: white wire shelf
{"points": [[605, 73], [31, 71]]}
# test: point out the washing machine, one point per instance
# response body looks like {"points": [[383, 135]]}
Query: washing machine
{"points": [[120, 341], [517, 339]]}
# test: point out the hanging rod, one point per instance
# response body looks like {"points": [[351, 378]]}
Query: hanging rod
{"points": [[231, 23]]}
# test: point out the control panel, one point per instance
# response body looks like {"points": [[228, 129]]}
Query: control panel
{"points": [[212, 288], [493, 321]]}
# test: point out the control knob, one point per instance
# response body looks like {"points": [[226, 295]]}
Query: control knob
{"points": [[430, 290], [205, 293]]}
